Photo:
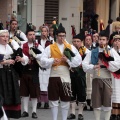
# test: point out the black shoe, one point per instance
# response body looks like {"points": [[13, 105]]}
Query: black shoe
{"points": [[91, 109], [80, 117], [114, 117], [118, 117], [24, 114], [34, 115], [46, 105], [38, 105], [85, 108], [71, 116]]}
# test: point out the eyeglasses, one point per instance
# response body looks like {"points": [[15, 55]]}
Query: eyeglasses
{"points": [[95, 36], [61, 35], [3, 36], [117, 40], [76, 41]]}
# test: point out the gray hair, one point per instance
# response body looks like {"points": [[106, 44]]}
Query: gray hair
{"points": [[3, 31]]}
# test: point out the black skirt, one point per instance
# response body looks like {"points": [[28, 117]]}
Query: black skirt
{"points": [[9, 89]]}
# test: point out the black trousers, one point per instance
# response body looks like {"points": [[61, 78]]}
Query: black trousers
{"points": [[78, 86]]}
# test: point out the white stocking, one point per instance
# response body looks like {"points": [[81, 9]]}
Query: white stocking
{"points": [[25, 103], [97, 114], [34, 104]]}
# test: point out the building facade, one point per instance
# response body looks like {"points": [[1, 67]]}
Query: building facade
{"points": [[68, 12]]}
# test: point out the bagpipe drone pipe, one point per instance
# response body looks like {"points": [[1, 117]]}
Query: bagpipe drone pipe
{"points": [[106, 58], [17, 34]]}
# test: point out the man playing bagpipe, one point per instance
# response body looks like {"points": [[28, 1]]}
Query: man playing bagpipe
{"points": [[98, 62], [9, 87], [116, 84], [78, 81], [29, 83], [59, 57], [16, 34]]}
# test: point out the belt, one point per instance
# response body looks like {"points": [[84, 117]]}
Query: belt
{"points": [[102, 66], [7, 66]]}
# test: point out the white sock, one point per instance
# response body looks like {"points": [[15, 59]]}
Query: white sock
{"points": [[64, 113], [97, 114], [25, 103], [64, 109], [54, 112], [107, 115], [34, 104], [72, 108], [80, 110]]}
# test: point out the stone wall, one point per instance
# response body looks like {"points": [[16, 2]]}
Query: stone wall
{"points": [[5, 10]]}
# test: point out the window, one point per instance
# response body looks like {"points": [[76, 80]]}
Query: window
{"points": [[51, 10]]}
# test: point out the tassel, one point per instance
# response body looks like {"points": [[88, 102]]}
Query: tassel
{"points": [[117, 76]]}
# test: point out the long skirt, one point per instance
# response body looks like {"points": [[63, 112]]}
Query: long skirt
{"points": [[9, 90]]}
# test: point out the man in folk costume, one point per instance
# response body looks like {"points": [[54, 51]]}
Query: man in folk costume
{"points": [[89, 45], [9, 87], [29, 83], [116, 85], [44, 74], [78, 81], [98, 62], [59, 86], [14, 32]]}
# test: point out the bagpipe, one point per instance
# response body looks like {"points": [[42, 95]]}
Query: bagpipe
{"points": [[67, 51], [106, 58], [17, 37], [33, 51], [79, 69], [17, 66], [1, 57], [82, 51]]}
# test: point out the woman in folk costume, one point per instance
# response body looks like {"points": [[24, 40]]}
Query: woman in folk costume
{"points": [[98, 62], [116, 85], [9, 87], [44, 74], [59, 86], [78, 81]]}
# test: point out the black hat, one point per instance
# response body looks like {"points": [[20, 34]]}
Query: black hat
{"points": [[78, 36], [61, 29], [29, 28], [103, 33], [96, 16]]}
